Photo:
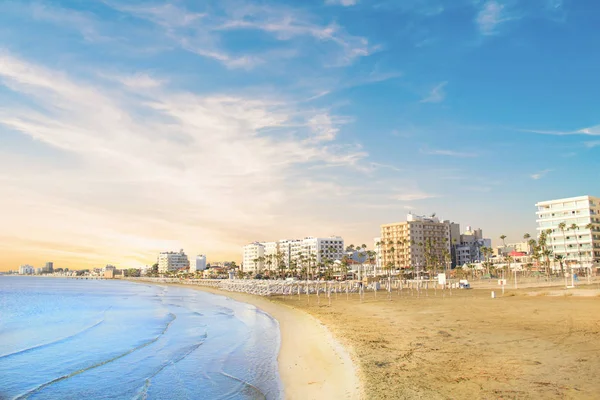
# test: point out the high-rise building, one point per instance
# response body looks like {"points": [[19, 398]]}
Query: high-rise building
{"points": [[172, 261], [253, 259], [468, 249], [49, 268], [574, 243], [288, 253], [200, 263], [26, 270], [415, 243]]}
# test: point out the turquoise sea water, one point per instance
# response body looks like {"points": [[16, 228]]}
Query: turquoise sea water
{"points": [[76, 339]]}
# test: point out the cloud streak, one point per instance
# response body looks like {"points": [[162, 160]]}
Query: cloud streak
{"points": [[201, 33], [448, 153], [437, 94], [491, 15], [589, 131], [539, 175]]}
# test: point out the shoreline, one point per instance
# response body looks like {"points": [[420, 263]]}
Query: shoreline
{"points": [[312, 363]]}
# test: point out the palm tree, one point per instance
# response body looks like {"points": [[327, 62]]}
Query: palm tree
{"points": [[371, 255], [563, 226], [590, 226], [502, 237], [526, 237], [399, 253], [575, 228], [378, 245], [392, 251]]}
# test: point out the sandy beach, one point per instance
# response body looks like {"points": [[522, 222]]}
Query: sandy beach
{"points": [[468, 345], [531, 343], [312, 363]]}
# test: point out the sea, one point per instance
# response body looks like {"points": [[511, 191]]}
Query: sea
{"points": [[107, 339]]}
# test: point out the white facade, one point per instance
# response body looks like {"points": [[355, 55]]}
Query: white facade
{"points": [[581, 243], [252, 260], [200, 263], [292, 252], [26, 270], [172, 261]]}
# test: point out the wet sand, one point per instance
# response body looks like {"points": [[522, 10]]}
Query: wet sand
{"points": [[468, 345]]}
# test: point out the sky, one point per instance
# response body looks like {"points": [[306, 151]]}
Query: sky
{"points": [[133, 127]]}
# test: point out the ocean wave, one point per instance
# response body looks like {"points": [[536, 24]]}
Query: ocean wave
{"points": [[75, 373], [143, 393], [249, 388], [58, 341]]}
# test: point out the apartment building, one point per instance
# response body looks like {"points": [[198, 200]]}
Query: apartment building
{"points": [[172, 261], [581, 237], [200, 264], [26, 270], [468, 248], [253, 258], [290, 252], [405, 244]]}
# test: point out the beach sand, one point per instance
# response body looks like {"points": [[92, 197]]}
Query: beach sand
{"points": [[468, 345], [312, 363]]}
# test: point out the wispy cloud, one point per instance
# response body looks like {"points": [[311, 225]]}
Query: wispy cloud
{"points": [[414, 196], [540, 174], [84, 23], [211, 153], [590, 131], [345, 3], [592, 144], [201, 33], [449, 153], [491, 15], [436, 95]]}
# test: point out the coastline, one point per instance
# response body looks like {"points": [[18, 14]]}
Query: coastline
{"points": [[312, 363]]}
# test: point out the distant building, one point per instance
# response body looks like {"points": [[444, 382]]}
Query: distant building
{"points": [[172, 261], [109, 267], [582, 243], [26, 270], [290, 253], [406, 244], [253, 257], [200, 263], [49, 267], [38, 271], [502, 251], [468, 249]]}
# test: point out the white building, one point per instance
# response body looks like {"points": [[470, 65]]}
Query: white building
{"points": [[581, 241], [291, 253], [254, 253], [200, 263], [26, 270], [172, 261]]}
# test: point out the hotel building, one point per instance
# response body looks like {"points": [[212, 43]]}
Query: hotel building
{"points": [[26, 270], [581, 243], [405, 244], [200, 263], [291, 251], [252, 261], [172, 261], [468, 249]]}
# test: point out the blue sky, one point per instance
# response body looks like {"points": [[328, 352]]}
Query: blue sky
{"points": [[131, 127]]}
